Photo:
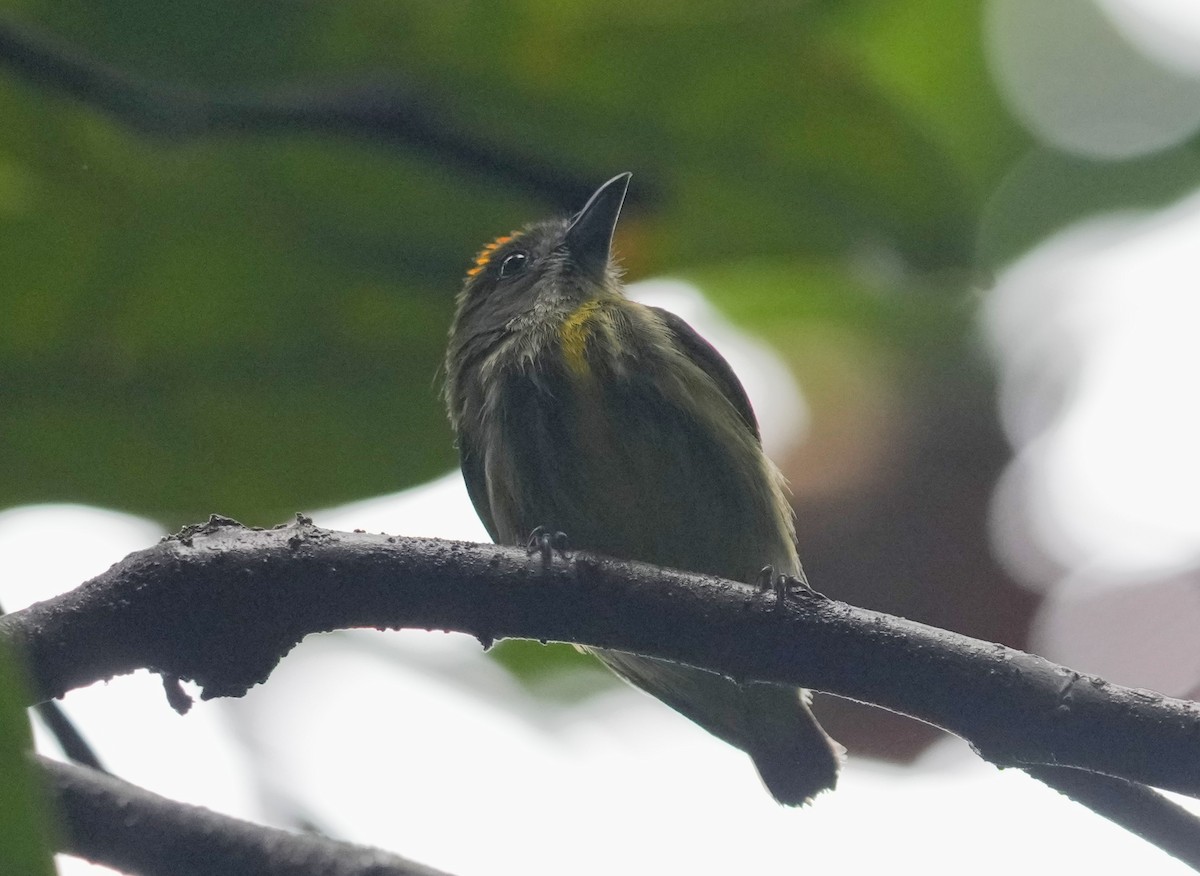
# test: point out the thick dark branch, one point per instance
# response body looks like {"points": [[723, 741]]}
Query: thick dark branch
{"points": [[112, 822], [386, 110], [221, 604]]}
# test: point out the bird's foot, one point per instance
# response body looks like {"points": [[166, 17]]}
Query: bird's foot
{"points": [[786, 587], [546, 542]]}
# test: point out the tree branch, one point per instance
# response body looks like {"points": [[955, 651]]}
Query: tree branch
{"points": [[109, 821], [386, 110], [65, 733], [69, 739], [1140, 810], [221, 604]]}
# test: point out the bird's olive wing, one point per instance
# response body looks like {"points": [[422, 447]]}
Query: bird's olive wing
{"points": [[711, 363], [471, 461]]}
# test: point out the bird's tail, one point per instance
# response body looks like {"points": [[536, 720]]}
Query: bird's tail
{"points": [[795, 757]]}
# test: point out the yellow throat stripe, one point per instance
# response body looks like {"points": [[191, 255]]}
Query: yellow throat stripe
{"points": [[574, 335]]}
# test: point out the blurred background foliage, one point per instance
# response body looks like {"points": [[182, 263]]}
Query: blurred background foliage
{"points": [[24, 822], [231, 233], [204, 314]]}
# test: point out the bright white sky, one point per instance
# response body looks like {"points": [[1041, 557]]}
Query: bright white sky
{"points": [[1109, 312], [1094, 335], [415, 742]]}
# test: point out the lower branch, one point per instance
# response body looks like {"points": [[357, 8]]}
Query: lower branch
{"points": [[108, 821], [1140, 810]]}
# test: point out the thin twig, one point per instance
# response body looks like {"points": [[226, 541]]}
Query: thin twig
{"points": [[1140, 810], [69, 739]]}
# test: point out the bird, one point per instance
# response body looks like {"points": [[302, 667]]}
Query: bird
{"points": [[581, 412]]}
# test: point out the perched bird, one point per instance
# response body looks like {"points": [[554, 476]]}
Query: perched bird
{"points": [[580, 411]]}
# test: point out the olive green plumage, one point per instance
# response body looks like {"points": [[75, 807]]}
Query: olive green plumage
{"points": [[580, 411]]}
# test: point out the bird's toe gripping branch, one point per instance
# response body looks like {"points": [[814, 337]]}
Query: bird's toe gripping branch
{"points": [[786, 587], [547, 542]]}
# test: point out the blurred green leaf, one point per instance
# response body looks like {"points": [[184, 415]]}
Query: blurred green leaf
{"points": [[1048, 190], [251, 321], [253, 324]]}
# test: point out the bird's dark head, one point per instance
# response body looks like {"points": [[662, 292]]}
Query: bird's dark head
{"points": [[529, 280]]}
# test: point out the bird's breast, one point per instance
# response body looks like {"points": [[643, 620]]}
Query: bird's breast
{"points": [[632, 451]]}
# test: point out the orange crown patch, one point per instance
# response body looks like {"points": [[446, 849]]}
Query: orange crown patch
{"points": [[485, 254]]}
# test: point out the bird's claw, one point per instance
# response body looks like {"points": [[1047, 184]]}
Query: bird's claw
{"points": [[547, 543], [786, 587]]}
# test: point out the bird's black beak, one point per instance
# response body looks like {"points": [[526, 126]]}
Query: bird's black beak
{"points": [[589, 239]]}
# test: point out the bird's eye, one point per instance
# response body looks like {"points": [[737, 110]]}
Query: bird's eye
{"points": [[513, 264]]}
